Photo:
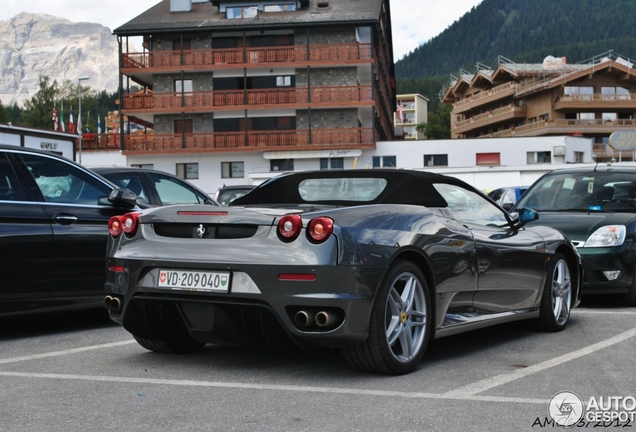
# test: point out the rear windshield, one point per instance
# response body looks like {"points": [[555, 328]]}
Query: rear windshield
{"points": [[593, 191], [341, 189]]}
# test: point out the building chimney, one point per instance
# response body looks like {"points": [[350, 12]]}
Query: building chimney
{"points": [[180, 5]]}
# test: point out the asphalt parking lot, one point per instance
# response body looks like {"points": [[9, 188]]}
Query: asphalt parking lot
{"points": [[79, 372]]}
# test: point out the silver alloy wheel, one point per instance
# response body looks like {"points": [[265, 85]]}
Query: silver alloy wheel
{"points": [[561, 292], [405, 313]]}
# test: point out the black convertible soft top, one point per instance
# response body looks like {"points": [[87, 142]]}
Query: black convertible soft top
{"points": [[403, 187]]}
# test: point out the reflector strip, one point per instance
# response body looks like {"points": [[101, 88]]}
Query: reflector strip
{"points": [[293, 276], [202, 213], [117, 269]]}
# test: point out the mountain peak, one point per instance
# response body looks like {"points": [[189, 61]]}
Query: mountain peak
{"points": [[34, 45]]}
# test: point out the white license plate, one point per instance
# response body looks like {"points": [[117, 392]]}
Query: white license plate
{"points": [[194, 280]]}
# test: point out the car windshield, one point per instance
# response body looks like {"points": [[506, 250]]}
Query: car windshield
{"points": [[345, 189], [577, 191]]}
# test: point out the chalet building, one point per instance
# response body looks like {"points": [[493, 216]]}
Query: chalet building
{"points": [[591, 99], [227, 77]]}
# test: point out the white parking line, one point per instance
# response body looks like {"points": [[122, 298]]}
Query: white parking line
{"points": [[286, 388], [603, 312], [65, 352], [496, 381]]}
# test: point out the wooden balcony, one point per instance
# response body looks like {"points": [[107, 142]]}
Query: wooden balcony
{"points": [[485, 97], [254, 98], [567, 127], [492, 117], [105, 141], [596, 102], [293, 55], [316, 139]]}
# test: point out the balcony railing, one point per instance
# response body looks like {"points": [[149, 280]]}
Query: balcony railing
{"points": [[567, 126], [203, 58], [236, 141], [596, 101], [490, 117], [494, 93], [253, 98]]}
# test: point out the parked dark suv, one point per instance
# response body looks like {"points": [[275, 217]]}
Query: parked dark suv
{"points": [[53, 231], [595, 206]]}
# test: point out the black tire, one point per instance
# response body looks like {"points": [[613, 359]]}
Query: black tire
{"points": [[556, 300], [400, 324], [630, 296], [169, 347]]}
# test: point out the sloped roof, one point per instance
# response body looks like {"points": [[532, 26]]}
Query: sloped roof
{"points": [[205, 16]]}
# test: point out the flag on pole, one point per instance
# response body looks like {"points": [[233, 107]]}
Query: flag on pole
{"points": [[99, 125], [55, 123], [71, 126], [62, 116], [79, 123]]}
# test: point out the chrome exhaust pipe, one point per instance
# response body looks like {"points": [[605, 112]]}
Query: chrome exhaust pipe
{"points": [[303, 318], [108, 301], [115, 304], [112, 303], [324, 319]]}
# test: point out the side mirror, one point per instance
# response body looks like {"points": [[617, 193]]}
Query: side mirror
{"points": [[507, 206], [124, 198], [523, 216]]}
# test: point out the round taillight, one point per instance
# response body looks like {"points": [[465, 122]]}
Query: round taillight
{"points": [[319, 229], [114, 226], [129, 223], [289, 227]]}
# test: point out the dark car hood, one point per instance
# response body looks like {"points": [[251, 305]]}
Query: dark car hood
{"points": [[579, 226]]}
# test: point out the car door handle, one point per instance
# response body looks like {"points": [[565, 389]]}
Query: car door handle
{"points": [[65, 219]]}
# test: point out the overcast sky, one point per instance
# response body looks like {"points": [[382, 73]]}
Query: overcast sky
{"points": [[414, 21]]}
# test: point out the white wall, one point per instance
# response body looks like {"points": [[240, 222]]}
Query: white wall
{"points": [[513, 170]]}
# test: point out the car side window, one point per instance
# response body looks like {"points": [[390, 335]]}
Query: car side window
{"points": [[132, 182], [172, 192], [469, 207], [9, 187], [61, 182]]}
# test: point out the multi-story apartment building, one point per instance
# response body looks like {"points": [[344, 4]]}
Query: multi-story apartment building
{"points": [[412, 109], [591, 99], [286, 78]]}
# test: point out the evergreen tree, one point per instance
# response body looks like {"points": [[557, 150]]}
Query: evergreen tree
{"points": [[38, 110], [438, 126], [4, 115]]}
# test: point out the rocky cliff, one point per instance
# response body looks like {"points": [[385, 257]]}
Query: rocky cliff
{"points": [[33, 45]]}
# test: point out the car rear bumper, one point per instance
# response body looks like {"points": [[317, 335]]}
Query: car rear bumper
{"points": [[331, 310]]}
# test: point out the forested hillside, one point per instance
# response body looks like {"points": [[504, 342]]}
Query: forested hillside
{"points": [[522, 31]]}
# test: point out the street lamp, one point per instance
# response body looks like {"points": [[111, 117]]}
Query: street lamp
{"points": [[79, 114]]}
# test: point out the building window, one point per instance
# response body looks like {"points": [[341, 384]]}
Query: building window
{"points": [[283, 81], [488, 159], [188, 171], [184, 86], [281, 165], [232, 170], [331, 163], [583, 92], [538, 157], [436, 160], [241, 12], [279, 8], [384, 162], [144, 166]]}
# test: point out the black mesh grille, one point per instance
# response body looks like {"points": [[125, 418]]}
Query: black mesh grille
{"points": [[205, 231]]}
